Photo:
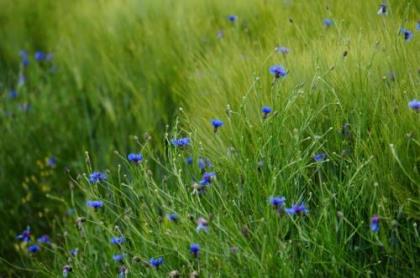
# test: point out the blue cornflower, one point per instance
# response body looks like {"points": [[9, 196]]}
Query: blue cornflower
{"points": [[195, 249], [24, 57], [207, 178], [25, 236], [97, 177], [117, 240], [374, 223], [66, 270], [383, 9], [278, 71], [266, 110], [34, 248], [135, 157], [44, 239], [319, 157], [95, 204], [202, 225], [282, 50], [216, 124], [156, 262], [173, 217], [204, 163], [328, 22], [13, 94], [407, 34], [415, 105], [189, 160], [40, 56], [118, 257], [52, 161], [232, 18], [277, 201], [74, 252], [181, 142], [418, 26], [299, 209], [21, 80]]}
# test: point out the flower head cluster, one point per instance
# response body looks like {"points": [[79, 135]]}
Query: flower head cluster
{"points": [[297, 209], [202, 225], [232, 18], [407, 34], [266, 110], [278, 71], [415, 105], [207, 178], [117, 240], [181, 142], [277, 201], [118, 257], [383, 9], [328, 22], [319, 157], [97, 177], [374, 223], [95, 204], [195, 249], [216, 124], [282, 49], [135, 158], [34, 248], [25, 236], [156, 262]]}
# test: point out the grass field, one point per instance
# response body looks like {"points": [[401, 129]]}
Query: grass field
{"points": [[257, 138]]}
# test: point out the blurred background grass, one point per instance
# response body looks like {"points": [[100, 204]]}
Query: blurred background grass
{"points": [[123, 68]]}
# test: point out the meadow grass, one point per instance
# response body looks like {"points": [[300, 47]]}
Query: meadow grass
{"points": [[130, 76]]}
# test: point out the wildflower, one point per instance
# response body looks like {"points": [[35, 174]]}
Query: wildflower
{"points": [[277, 201], [21, 80], [24, 58], [135, 157], [44, 239], [173, 217], [117, 240], [122, 272], [202, 225], [374, 223], [207, 178], [74, 252], [282, 49], [118, 257], [34, 248], [66, 270], [97, 177], [299, 209], [195, 249], [407, 34], [383, 9], [25, 236], [52, 161], [320, 157], [13, 94], [418, 26], [415, 105], [40, 56], [266, 110], [156, 262], [181, 142], [189, 160], [95, 204], [232, 18], [203, 163], [328, 22], [216, 124], [278, 71]]}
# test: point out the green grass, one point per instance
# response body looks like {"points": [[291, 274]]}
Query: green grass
{"points": [[132, 75]]}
